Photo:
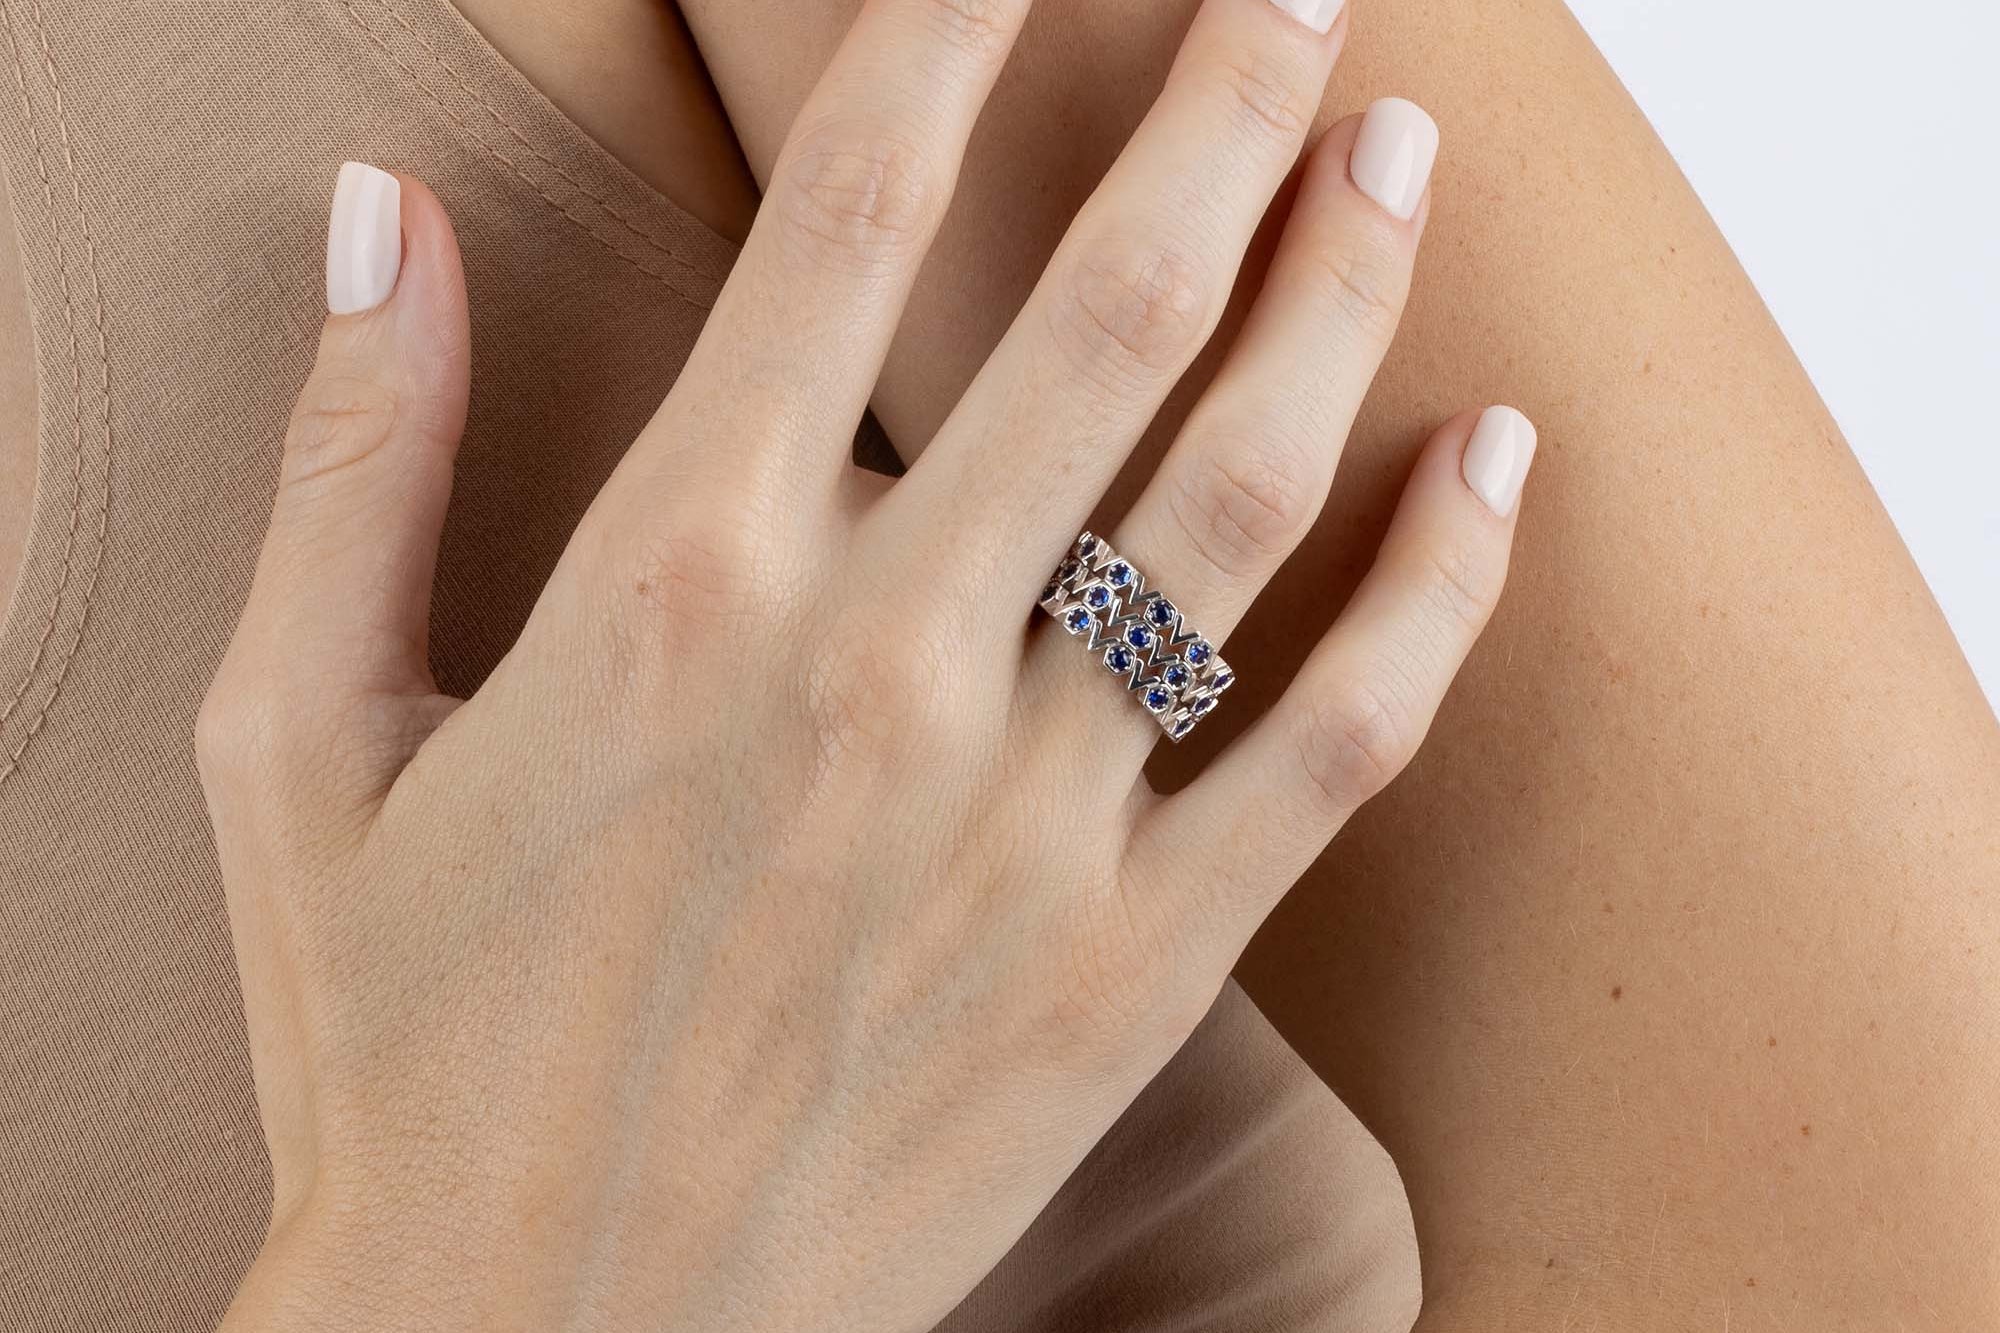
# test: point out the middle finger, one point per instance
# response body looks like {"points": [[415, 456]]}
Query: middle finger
{"points": [[1132, 294]]}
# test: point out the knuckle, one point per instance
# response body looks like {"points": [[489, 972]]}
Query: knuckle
{"points": [[877, 693], [339, 420], [1362, 281], [1245, 501], [696, 581], [1268, 98], [1130, 313], [1458, 589], [1100, 993], [856, 200], [1353, 742], [982, 29], [228, 734], [1127, 975], [253, 730]]}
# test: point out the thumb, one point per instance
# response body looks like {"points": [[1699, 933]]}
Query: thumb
{"points": [[337, 624]]}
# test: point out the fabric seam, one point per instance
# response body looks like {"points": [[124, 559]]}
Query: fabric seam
{"points": [[417, 81], [64, 579], [618, 215]]}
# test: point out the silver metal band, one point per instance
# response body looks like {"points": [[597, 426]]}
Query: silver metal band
{"points": [[1173, 673]]}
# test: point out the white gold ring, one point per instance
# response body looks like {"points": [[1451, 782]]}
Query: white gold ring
{"points": [[1138, 635]]}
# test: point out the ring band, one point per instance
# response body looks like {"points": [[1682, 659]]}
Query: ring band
{"points": [[1174, 673]]}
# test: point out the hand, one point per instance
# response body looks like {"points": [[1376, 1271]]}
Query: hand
{"points": [[769, 937]]}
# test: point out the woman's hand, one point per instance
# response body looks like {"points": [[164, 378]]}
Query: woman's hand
{"points": [[765, 942]]}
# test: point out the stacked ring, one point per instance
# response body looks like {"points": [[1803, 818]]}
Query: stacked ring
{"points": [[1138, 635]]}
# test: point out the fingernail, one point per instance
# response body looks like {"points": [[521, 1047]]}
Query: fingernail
{"points": [[364, 239], [1393, 155], [1315, 14], [1497, 458]]}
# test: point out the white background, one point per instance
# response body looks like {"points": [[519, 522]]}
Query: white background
{"points": [[1850, 151]]}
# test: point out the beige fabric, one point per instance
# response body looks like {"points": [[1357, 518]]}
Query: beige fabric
{"points": [[169, 165]]}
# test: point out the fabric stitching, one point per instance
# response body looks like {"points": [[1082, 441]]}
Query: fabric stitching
{"points": [[76, 416], [417, 82], [389, 7], [88, 591]]}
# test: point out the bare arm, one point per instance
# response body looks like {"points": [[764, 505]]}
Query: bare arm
{"points": [[1667, 972]]}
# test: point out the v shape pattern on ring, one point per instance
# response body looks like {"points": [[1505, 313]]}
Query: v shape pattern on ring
{"points": [[1138, 635]]}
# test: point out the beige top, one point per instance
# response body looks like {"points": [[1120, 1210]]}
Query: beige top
{"points": [[170, 166]]}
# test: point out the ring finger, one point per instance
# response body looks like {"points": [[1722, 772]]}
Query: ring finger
{"points": [[1250, 470]]}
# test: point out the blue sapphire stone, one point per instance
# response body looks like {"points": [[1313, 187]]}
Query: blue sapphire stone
{"points": [[1177, 676], [1161, 613], [1204, 706], [1223, 681], [1158, 700], [1069, 570], [1051, 590], [1139, 637], [1118, 659], [1099, 597], [1086, 546], [1197, 652], [1183, 727], [1077, 621], [1120, 574]]}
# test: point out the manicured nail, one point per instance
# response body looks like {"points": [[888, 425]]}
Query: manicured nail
{"points": [[1393, 155], [1315, 14], [364, 239], [1497, 458]]}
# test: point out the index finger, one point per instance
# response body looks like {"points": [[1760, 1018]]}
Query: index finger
{"points": [[791, 352]]}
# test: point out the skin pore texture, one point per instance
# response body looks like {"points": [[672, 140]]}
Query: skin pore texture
{"points": [[1665, 970], [627, 71], [1665, 973], [689, 1043]]}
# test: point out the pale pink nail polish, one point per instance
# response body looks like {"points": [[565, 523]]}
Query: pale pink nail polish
{"points": [[1315, 14], [1497, 458], [364, 239], [1393, 155]]}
